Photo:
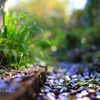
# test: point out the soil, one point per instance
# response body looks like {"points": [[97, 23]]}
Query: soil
{"points": [[22, 84]]}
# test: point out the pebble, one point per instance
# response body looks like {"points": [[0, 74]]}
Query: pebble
{"points": [[64, 89], [79, 95], [91, 91], [51, 96], [62, 98], [85, 98], [67, 78], [98, 97], [61, 81], [97, 93], [90, 85], [84, 93], [74, 76]]}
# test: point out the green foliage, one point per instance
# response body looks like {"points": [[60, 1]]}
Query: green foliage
{"points": [[82, 83], [17, 38], [79, 37], [87, 17], [94, 34], [50, 17], [93, 9], [43, 43], [73, 39]]}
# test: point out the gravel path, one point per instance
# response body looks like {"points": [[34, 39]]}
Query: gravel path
{"points": [[72, 82], [65, 81]]}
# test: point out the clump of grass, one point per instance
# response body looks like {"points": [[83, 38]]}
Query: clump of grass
{"points": [[17, 38]]}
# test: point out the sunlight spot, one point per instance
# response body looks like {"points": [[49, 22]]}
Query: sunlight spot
{"points": [[62, 0], [42, 63], [53, 48], [76, 4], [79, 4], [83, 40], [10, 3]]}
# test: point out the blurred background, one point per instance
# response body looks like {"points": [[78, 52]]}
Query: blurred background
{"points": [[69, 30]]}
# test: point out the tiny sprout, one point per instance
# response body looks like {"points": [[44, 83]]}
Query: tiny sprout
{"points": [[21, 54]]}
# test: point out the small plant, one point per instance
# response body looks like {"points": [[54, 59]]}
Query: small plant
{"points": [[17, 38]]}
